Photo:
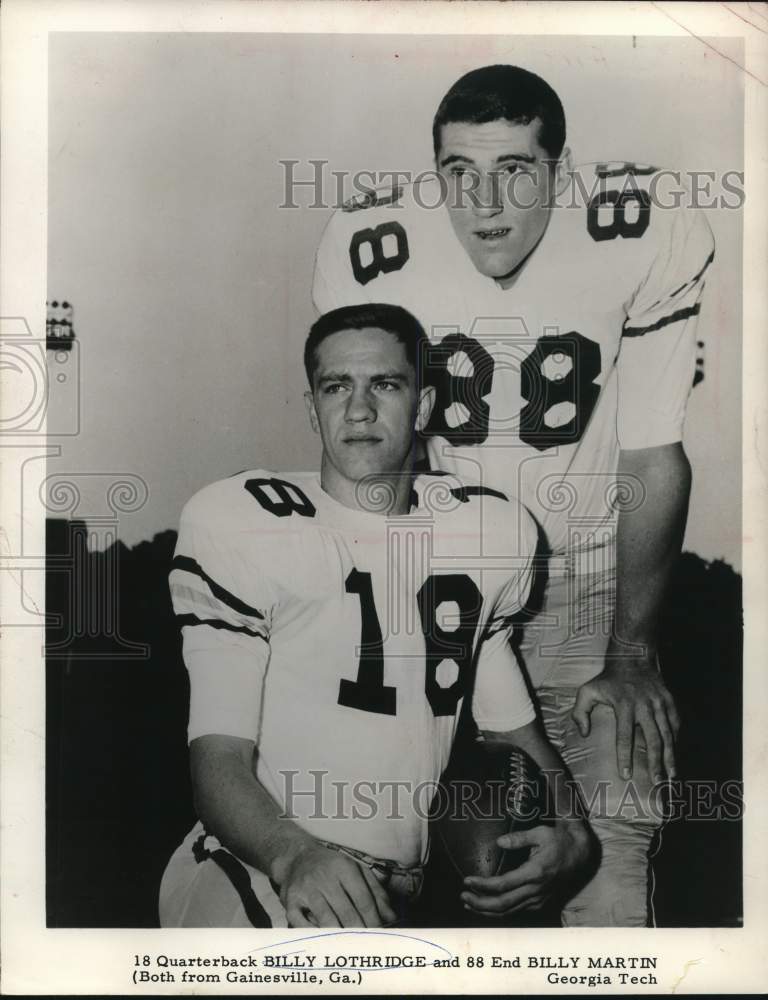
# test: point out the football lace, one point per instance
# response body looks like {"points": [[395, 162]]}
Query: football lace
{"points": [[519, 783]]}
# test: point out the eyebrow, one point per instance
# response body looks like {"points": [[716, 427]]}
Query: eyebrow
{"points": [[391, 376], [505, 158]]}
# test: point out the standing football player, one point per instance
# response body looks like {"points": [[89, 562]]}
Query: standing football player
{"points": [[562, 305], [332, 626]]}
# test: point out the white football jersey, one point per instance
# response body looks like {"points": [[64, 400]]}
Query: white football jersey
{"points": [[343, 641], [592, 349]]}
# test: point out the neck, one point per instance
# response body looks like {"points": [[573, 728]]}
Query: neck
{"points": [[385, 493]]}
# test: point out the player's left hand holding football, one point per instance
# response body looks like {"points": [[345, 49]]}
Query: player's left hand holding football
{"points": [[558, 855]]}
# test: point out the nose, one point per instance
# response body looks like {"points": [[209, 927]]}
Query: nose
{"points": [[486, 198], [360, 406]]}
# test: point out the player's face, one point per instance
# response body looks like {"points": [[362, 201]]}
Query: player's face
{"points": [[365, 405], [500, 187]]}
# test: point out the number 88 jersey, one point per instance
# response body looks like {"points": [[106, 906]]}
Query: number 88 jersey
{"points": [[343, 642], [592, 349]]}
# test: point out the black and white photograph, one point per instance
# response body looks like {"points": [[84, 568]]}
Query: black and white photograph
{"points": [[386, 432]]}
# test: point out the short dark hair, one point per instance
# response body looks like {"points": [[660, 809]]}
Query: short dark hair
{"points": [[378, 315], [508, 92]]}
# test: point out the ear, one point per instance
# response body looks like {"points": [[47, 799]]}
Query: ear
{"points": [[563, 171], [427, 398], [309, 399]]}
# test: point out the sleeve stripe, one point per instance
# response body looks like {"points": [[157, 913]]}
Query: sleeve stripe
{"points": [[463, 493], [691, 282], [675, 317], [191, 566], [696, 277], [218, 623]]}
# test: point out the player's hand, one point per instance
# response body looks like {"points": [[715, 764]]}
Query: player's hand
{"points": [[634, 689], [559, 854], [324, 888]]}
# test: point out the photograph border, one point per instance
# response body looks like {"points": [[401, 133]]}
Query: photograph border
{"points": [[37, 960]]}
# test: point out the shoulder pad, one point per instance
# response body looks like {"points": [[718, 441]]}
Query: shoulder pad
{"points": [[372, 199], [239, 498], [278, 495], [463, 493], [617, 168]]}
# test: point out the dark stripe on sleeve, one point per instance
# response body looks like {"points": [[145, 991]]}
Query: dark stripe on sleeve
{"points": [[238, 875], [706, 265], [463, 493], [191, 566], [691, 281], [183, 620], [695, 278], [675, 317]]}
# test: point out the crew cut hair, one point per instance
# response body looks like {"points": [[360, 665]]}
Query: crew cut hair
{"points": [[376, 315], [503, 92]]}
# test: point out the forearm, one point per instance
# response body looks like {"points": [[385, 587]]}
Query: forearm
{"points": [[237, 809], [531, 739], [318, 886], [648, 544], [648, 541]]}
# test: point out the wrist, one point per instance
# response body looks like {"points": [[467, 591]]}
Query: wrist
{"points": [[638, 649], [575, 827], [286, 854], [580, 836]]}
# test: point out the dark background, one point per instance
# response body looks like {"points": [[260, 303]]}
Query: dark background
{"points": [[118, 789]]}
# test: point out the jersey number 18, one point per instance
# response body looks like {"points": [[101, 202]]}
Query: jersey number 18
{"points": [[368, 692]]}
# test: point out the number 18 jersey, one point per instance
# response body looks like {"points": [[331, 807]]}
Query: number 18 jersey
{"points": [[343, 642], [590, 351]]}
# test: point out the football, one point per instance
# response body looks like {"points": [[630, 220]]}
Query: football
{"points": [[506, 793]]}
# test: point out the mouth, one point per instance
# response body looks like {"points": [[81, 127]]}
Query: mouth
{"points": [[362, 439], [492, 235]]}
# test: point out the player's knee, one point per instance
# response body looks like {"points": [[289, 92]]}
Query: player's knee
{"points": [[169, 903], [607, 796], [634, 801], [198, 894], [608, 910]]}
